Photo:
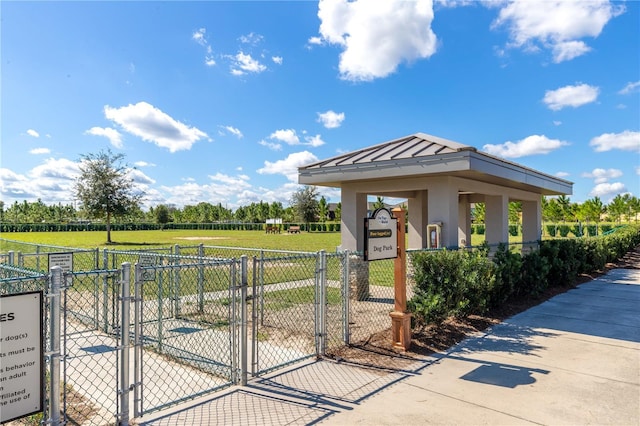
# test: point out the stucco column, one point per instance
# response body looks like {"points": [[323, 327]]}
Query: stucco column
{"points": [[464, 221], [354, 211], [531, 221], [418, 220], [443, 207], [496, 218]]}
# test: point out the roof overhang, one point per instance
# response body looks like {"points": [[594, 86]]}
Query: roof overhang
{"points": [[457, 160]]}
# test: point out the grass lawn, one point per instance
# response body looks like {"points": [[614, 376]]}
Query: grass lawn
{"points": [[129, 240]]}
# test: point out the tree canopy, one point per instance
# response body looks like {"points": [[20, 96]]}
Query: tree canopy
{"points": [[105, 188], [305, 203]]}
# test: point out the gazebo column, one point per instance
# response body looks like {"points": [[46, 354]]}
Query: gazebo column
{"points": [[354, 211], [496, 219], [531, 222], [418, 220], [443, 207], [464, 221]]}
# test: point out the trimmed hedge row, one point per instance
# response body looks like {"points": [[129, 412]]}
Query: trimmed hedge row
{"points": [[458, 283], [556, 229], [99, 226]]}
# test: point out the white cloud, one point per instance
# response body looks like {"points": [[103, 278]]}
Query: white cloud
{"points": [[567, 50], [531, 145], [153, 125], [115, 138], [376, 36], [271, 145], [287, 136], [33, 133], [313, 141], [630, 88], [244, 63], [557, 122], [143, 164], [315, 40], [277, 59], [604, 190], [38, 151], [626, 141], [251, 38], [573, 96], [289, 166], [558, 25], [199, 36], [331, 119], [222, 189], [562, 174], [234, 131], [139, 178], [602, 175]]}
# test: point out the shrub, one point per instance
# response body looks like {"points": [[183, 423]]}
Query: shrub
{"points": [[508, 267], [450, 283], [592, 230], [564, 230], [534, 274], [577, 230], [513, 230], [480, 229], [551, 230]]}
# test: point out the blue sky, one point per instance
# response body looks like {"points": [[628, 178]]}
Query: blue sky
{"points": [[222, 101]]}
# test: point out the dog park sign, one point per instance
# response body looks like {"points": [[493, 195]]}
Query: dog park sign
{"points": [[380, 231], [21, 354]]}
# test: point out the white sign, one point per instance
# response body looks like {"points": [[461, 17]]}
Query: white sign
{"points": [[148, 260], [381, 236], [21, 368], [64, 260]]}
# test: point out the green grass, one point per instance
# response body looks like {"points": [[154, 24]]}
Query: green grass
{"points": [[283, 299], [130, 240]]}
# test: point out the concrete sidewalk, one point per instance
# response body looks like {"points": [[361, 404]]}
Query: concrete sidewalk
{"points": [[574, 359]]}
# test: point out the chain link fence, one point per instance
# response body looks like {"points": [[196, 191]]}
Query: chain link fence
{"points": [[188, 320]]}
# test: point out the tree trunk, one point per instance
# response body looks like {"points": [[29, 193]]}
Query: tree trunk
{"points": [[109, 228]]}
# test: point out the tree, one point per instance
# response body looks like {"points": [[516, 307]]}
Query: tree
{"points": [[305, 203], [323, 209], [379, 203], [105, 188], [479, 211], [617, 207], [162, 215]]}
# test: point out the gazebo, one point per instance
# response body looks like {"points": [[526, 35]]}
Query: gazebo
{"points": [[440, 180]]}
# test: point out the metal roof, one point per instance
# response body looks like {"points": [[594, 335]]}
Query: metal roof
{"points": [[425, 155]]}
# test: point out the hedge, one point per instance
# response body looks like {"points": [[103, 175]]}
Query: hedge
{"points": [[458, 282]]}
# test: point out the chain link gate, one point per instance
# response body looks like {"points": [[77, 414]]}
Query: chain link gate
{"points": [[185, 328]]}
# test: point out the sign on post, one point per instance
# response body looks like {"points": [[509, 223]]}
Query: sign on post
{"points": [[380, 231], [148, 260], [21, 352], [63, 260]]}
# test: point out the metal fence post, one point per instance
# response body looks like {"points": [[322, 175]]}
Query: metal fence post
{"points": [[346, 298], [12, 255], [233, 322], [123, 416], [137, 342], [323, 302], [105, 293], [55, 283], [243, 322], [254, 322], [261, 287], [201, 279]]}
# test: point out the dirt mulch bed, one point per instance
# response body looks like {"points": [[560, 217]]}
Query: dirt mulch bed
{"points": [[378, 352]]}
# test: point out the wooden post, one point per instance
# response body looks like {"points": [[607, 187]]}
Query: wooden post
{"points": [[400, 318]]}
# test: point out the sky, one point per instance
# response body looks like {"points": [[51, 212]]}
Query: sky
{"points": [[221, 102]]}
